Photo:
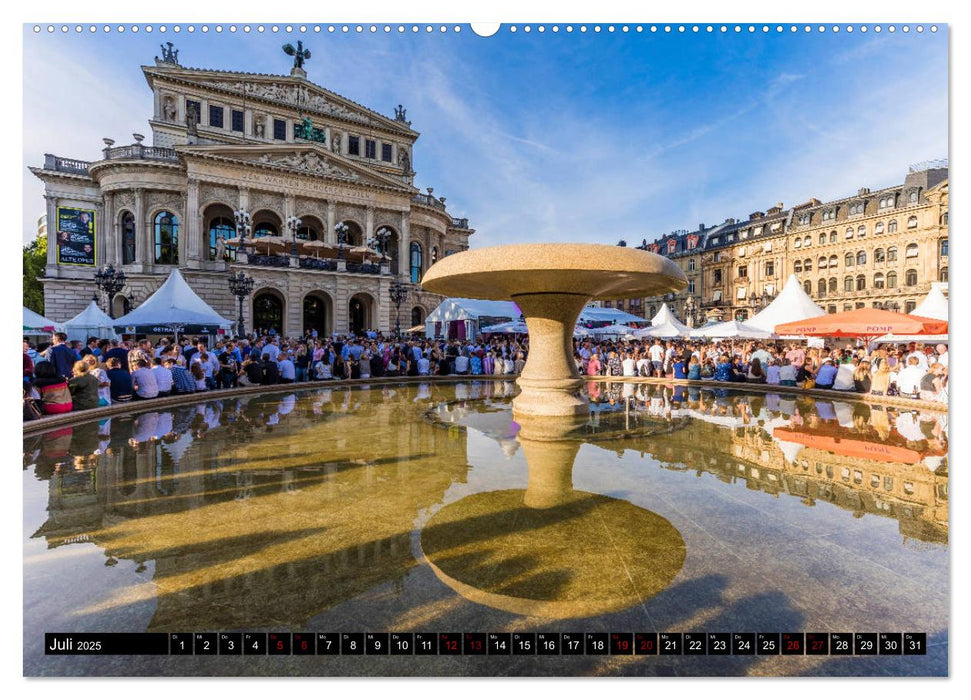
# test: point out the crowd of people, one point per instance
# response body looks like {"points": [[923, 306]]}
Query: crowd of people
{"points": [[63, 376], [914, 370]]}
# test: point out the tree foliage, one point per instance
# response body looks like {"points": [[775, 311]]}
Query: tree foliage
{"points": [[35, 260]]}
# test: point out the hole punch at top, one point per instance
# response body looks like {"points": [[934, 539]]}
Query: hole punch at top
{"points": [[485, 29]]}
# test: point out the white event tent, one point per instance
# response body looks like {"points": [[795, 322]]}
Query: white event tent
{"points": [[458, 317], [461, 318], [731, 329], [90, 323], [664, 325], [934, 304], [35, 324], [792, 304], [173, 306]]}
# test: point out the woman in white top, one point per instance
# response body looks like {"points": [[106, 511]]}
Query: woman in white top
{"points": [[509, 366], [323, 370], [366, 364], [104, 384]]}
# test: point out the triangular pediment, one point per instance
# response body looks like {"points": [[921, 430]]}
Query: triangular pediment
{"points": [[305, 159], [287, 90]]}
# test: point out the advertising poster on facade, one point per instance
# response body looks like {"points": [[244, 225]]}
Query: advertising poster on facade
{"points": [[75, 236]]}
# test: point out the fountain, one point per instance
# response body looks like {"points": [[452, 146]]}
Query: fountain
{"points": [[551, 283], [550, 550]]}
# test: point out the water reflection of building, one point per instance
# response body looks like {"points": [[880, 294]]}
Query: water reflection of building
{"points": [[286, 508], [736, 438]]}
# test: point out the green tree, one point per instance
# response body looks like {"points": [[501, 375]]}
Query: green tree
{"points": [[35, 260]]}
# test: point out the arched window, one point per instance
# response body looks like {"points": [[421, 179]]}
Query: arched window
{"points": [[861, 231], [808, 286], [821, 263], [944, 219], [914, 196], [821, 288], [891, 280], [832, 236], [849, 233], [417, 316], [265, 229], [942, 275], [807, 265], [879, 255], [833, 262], [653, 311], [822, 238], [797, 266], [911, 250], [911, 278], [797, 243], [861, 258], [416, 263], [166, 239], [860, 283], [221, 227], [848, 260], [807, 241], [892, 253], [878, 281], [127, 238], [912, 222], [878, 228], [833, 285], [305, 233], [848, 284], [434, 254], [892, 226]]}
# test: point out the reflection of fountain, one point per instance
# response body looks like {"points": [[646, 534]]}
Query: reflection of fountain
{"points": [[551, 283], [551, 551]]}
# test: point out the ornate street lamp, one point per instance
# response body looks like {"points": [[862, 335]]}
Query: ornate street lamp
{"points": [[399, 293], [243, 226], [110, 281], [341, 229], [241, 286], [380, 241], [293, 223]]}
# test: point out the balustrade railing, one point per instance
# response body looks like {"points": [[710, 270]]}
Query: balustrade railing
{"points": [[270, 260], [429, 201], [317, 264], [65, 165]]}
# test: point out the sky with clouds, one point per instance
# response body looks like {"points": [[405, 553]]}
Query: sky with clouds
{"points": [[558, 137]]}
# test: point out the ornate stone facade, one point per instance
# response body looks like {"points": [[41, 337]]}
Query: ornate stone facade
{"points": [[881, 249], [224, 142]]}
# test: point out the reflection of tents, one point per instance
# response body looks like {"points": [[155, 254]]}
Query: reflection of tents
{"points": [[35, 324], [792, 304], [173, 305], [664, 325], [730, 329], [90, 323], [460, 318]]}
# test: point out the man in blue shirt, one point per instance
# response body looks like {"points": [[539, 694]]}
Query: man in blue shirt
{"points": [[61, 356], [826, 374]]}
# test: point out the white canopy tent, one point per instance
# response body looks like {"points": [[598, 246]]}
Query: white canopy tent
{"points": [[35, 324], [460, 318], [792, 304], [613, 329], [506, 327], [731, 329], [934, 304], [173, 306], [90, 323], [664, 325], [601, 314]]}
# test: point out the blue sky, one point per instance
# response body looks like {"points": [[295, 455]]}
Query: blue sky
{"points": [[559, 137]]}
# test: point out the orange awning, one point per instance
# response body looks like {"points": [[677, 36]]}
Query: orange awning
{"points": [[863, 323], [880, 451]]}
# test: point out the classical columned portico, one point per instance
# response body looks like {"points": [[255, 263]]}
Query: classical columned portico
{"points": [[193, 226]]}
